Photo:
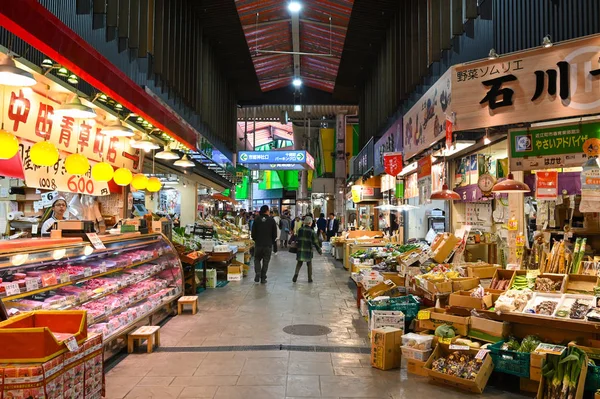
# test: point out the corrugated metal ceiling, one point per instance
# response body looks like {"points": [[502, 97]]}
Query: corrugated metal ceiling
{"points": [[267, 25]]}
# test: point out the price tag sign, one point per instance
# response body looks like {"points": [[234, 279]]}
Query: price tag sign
{"points": [[49, 279], [459, 347], [481, 354], [72, 344], [48, 198], [533, 273], [34, 228], [32, 284], [102, 268], [65, 278], [95, 241], [87, 272], [423, 315], [12, 289]]}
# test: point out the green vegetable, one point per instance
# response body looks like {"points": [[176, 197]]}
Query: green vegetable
{"points": [[445, 331], [529, 344], [561, 373]]}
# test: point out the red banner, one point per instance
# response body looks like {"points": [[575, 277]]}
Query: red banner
{"points": [[546, 185], [448, 133], [392, 163]]}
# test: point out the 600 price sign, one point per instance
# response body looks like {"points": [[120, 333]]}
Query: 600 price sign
{"points": [[80, 184]]}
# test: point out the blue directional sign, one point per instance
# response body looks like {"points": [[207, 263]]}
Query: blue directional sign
{"points": [[290, 159]]}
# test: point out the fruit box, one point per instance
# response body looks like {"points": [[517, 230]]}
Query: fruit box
{"points": [[463, 299], [477, 385], [414, 366], [438, 317], [34, 337], [580, 383], [503, 274]]}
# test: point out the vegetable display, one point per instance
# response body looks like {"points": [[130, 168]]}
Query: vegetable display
{"points": [[457, 364], [545, 284], [521, 282], [499, 284], [561, 374], [513, 300], [445, 331], [546, 308], [528, 344]]}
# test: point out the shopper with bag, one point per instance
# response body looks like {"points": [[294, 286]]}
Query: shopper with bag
{"points": [[264, 234], [284, 228], [306, 240]]}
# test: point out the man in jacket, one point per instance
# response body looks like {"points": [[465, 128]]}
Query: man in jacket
{"points": [[264, 233], [333, 225], [321, 226]]}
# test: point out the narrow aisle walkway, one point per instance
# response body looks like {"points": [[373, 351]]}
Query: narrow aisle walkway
{"points": [[247, 314]]}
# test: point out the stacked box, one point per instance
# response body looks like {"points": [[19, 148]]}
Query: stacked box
{"points": [[387, 318], [385, 348]]}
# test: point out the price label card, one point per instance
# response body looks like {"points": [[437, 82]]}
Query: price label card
{"points": [[48, 198], [32, 284], [72, 344], [87, 272], [102, 268], [423, 315], [481, 354], [459, 347], [49, 279], [12, 289], [34, 228], [95, 241], [533, 273], [65, 278]]}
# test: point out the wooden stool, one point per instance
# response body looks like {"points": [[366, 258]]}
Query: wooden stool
{"points": [[144, 333], [187, 300]]}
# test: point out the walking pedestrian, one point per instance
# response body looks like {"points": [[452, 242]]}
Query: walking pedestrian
{"points": [[322, 227], [307, 238], [264, 234], [284, 228], [333, 226]]}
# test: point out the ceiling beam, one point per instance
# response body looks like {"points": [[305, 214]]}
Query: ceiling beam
{"points": [[296, 43]]}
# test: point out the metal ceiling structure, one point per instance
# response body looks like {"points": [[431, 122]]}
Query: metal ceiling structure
{"points": [[286, 45], [274, 112]]}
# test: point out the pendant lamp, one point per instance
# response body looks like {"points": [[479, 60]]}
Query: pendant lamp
{"points": [[510, 186], [154, 185], [117, 129], [144, 144], [75, 109], [167, 154], [102, 172], [77, 164], [122, 176], [9, 144], [445, 194], [10, 75], [184, 162], [139, 181], [43, 153]]}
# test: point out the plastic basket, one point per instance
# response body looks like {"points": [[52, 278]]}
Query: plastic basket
{"points": [[510, 362], [592, 379], [409, 305]]}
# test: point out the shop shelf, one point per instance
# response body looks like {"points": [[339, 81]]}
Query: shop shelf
{"points": [[510, 362]]}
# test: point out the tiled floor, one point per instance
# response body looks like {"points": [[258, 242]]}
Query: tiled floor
{"points": [[252, 314]]}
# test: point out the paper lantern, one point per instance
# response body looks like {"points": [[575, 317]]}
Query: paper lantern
{"points": [[122, 176], [153, 185], [43, 153], [102, 172], [139, 181], [77, 164], [9, 145]]}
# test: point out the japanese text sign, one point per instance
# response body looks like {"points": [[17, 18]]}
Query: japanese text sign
{"points": [[550, 147], [284, 158], [425, 122], [546, 185], [30, 116], [390, 142], [424, 179], [392, 163], [528, 86]]}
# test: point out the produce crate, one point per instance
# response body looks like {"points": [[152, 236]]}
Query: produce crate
{"points": [[409, 305], [510, 362], [592, 381]]}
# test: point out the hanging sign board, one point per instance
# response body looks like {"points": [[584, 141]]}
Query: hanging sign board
{"points": [[56, 177], [389, 143], [546, 185], [551, 147], [527, 86], [425, 122], [392, 162], [424, 179]]}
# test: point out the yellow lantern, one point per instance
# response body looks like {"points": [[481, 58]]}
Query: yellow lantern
{"points": [[43, 153], [9, 145], [122, 176], [139, 181], [102, 171], [154, 184], [77, 164]]}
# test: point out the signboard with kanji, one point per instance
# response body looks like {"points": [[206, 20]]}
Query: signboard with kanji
{"points": [[30, 116], [528, 86], [546, 185]]}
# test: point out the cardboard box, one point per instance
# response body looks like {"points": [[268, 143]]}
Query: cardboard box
{"points": [[536, 359], [493, 328], [502, 274], [465, 283], [535, 373], [379, 290], [477, 385], [580, 383], [396, 279], [438, 317], [234, 269], [529, 385], [433, 287], [463, 299], [562, 278], [442, 248], [385, 348], [486, 271], [414, 366], [581, 284]]}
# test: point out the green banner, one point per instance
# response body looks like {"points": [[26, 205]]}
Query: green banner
{"points": [[550, 147]]}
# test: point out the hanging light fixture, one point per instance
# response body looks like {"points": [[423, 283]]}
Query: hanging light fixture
{"points": [[184, 162], [167, 153], [445, 194], [154, 185], [47, 63], [9, 144], [139, 181], [145, 144], [102, 172], [122, 176], [62, 72], [11, 75], [117, 129], [510, 186], [73, 79], [547, 41], [492, 55], [43, 153], [77, 164], [75, 109]]}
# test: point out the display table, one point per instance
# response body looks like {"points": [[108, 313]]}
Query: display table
{"points": [[351, 247]]}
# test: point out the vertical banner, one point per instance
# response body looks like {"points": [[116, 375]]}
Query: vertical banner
{"points": [[449, 137], [546, 185], [424, 179], [392, 163]]}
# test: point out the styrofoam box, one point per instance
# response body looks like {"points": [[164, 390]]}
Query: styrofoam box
{"points": [[538, 298], [412, 353], [420, 339], [387, 318]]}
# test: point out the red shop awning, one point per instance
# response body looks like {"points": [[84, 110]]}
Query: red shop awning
{"points": [[33, 23]]}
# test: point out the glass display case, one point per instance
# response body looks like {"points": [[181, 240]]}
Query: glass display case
{"points": [[136, 280]]}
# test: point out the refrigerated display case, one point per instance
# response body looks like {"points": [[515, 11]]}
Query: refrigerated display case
{"points": [[135, 280]]}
